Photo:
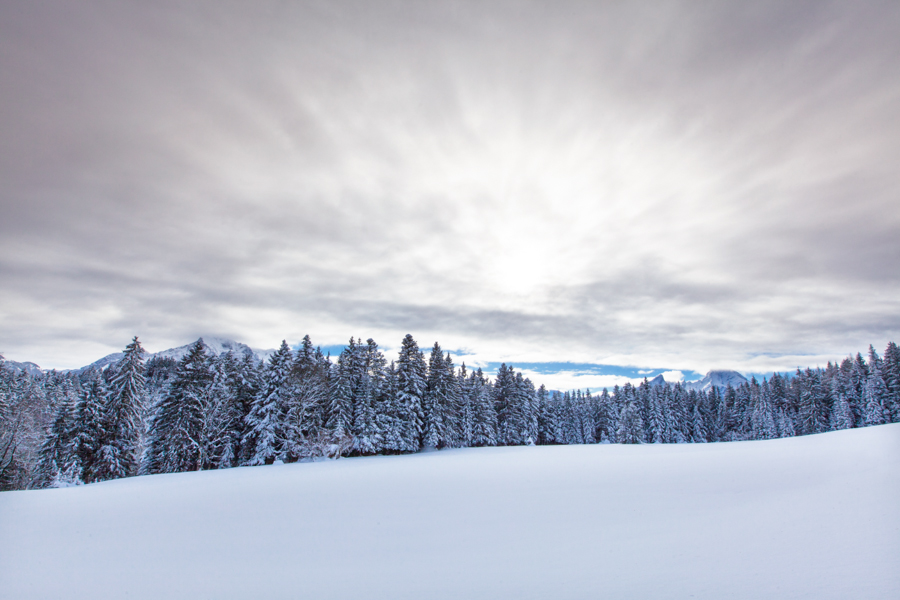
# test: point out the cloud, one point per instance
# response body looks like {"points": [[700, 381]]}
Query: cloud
{"points": [[675, 185]]}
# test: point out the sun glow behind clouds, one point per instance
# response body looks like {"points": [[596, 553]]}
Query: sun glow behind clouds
{"points": [[604, 183]]}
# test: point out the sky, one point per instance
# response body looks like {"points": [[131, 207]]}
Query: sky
{"points": [[669, 186]]}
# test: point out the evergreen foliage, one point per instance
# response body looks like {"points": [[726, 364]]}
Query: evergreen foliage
{"points": [[206, 412]]}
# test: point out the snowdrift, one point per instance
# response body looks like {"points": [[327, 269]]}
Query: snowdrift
{"points": [[811, 517]]}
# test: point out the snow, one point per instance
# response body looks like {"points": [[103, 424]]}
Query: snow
{"points": [[214, 346], [809, 517], [718, 379]]}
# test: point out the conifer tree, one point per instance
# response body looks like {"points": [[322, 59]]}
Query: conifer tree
{"points": [[368, 389], [699, 433], [176, 427], [466, 422], [630, 426], [265, 422], [88, 425], [306, 417], [876, 394], [437, 403], [121, 417], [842, 415], [340, 408], [658, 423], [389, 415], [411, 377], [890, 372], [484, 428], [763, 419], [57, 464], [813, 403]]}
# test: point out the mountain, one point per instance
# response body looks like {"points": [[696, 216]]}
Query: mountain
{"points": [[717, 379], [214, 346], [658, 380], [28, 367]]}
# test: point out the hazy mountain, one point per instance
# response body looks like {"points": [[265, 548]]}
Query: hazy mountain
{"points": [[214, 346], [28, 367]]}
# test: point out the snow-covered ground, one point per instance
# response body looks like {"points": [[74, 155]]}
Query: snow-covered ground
{"points": [[812, 517]]}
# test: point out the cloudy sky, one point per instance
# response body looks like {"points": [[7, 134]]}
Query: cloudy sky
{"points": [[672, 186]]}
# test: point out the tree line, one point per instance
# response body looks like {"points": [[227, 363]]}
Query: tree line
{"points": [[160, 415]]}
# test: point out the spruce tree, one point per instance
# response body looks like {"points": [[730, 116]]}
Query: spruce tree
{"points": [[438, 403], [340, 407], [57, 465], [875, 396], [389, 414], [367, 392], [630, 426], [121, 417], [411, 377], [484, 428], [175, 429], [264, 424], [88, 426]]}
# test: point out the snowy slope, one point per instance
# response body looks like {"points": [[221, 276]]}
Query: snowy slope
{"points": [[810, 517]]}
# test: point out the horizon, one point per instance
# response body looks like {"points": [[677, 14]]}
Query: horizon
{"points": [[565, 376]]}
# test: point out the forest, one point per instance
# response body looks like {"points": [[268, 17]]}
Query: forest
{"points": [[140, 417]]}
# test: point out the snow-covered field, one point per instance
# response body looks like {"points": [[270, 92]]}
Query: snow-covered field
{"points": [[812, 517]]}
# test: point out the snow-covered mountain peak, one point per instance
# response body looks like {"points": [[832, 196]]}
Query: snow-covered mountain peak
{"points": [[718, 379], [214, 346]]}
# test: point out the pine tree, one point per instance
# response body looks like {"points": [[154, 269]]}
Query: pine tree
{"points": [[389, 414], [813, 403], [88, 426], [484, 428], [699, 433], [507, 404], [842, 415], [222, 421], [631, 424], [658, 424], [876, 395], [526, 401], [58, 465], [890, 372], [305, 419], [440, 401], [340, 407], [121, 417], [366, 432], [763, 419], [176, 426], [265, 423], [411, 377], [466, 421], [547, 418]]}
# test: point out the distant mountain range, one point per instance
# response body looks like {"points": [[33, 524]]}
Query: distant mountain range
{"points": [[713, 379], [214, 346], [28, 367]]}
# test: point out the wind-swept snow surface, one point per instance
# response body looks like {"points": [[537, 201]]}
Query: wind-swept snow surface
{"points": [[810, 517]]}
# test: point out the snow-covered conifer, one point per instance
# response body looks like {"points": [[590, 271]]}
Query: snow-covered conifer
{"points": [[176, 426], [121, 417], [264, 423], [411, 377], [88, 426]]}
